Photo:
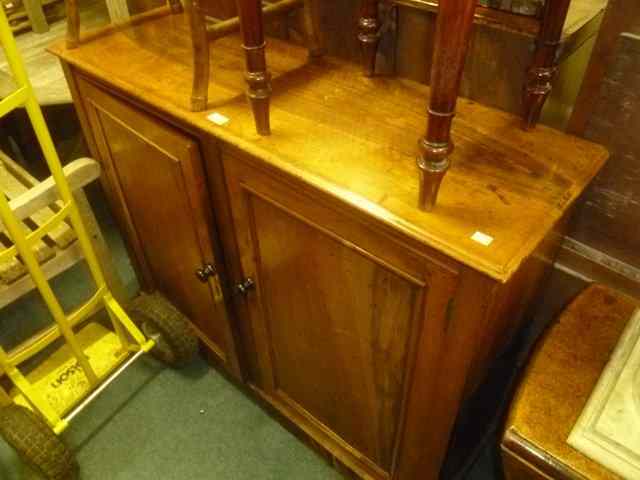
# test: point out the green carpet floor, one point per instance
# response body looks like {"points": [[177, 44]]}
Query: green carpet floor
{"points": [[156, 423]]}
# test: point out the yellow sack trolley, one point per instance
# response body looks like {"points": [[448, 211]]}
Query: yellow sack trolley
{"points": [[40, 404]]}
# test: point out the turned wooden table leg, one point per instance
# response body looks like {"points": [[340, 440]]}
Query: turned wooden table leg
{"points": [[36, 16], [543, 68], [200, 89], [258, 77], [453, 31], [175, 6], [313, 29], [73, 23], [369, 27]]}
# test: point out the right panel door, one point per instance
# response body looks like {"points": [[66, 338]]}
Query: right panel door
{"points": [[335, 312]]}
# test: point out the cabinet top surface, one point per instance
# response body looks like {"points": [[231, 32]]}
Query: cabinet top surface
{"points": [[356, 138]]}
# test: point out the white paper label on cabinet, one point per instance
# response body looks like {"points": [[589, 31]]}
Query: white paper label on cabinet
{"points": [[218, 118], [482, 238]]}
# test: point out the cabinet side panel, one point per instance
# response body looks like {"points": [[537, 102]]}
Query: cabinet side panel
{"points": [[514, 303], [455, 319]]}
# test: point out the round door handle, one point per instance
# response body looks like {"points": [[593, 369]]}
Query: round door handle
{"points": [[205, 272], [245, 286]]}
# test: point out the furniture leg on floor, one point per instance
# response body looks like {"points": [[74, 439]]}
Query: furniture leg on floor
{"points": [[257, 76], [453, 30], [250, 20], [369, 36], [543, 68]]}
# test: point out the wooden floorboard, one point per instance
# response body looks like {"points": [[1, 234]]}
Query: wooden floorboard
{"points": [[43, 68]]}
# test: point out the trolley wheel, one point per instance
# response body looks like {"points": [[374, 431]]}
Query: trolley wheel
{"points": [[36, 443], [176, 343]]}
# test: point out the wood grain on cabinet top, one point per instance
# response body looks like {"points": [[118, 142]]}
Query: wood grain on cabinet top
{"points": [[558, 382], [356, 138]]}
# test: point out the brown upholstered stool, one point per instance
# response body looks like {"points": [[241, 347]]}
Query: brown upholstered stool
{"points": [[556, 385]]}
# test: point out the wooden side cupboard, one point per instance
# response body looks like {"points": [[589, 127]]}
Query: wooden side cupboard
{"points": [[302, 258]]}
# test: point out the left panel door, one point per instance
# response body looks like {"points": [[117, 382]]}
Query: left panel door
{"points": [[157, 189]]}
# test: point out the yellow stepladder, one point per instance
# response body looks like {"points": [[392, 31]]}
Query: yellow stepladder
{"points": [[43, 402]]}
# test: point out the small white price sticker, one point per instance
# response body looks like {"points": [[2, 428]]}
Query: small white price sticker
{"points": [[482, 238], [218, 118]]}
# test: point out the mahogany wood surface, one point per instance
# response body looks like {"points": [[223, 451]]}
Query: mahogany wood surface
{"points": [[201, 54], [453, 32], [369, 35], [556, 385], [312, 24], [498, 172], [257, 76], [500, 19], [250, 21], [543, 68], [363, 342], [221, 28], [547, 31], [369, 319], [369, 335], [498, 59]]}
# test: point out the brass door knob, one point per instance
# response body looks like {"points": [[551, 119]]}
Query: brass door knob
{"points": [[205, 272], [245, 286]]}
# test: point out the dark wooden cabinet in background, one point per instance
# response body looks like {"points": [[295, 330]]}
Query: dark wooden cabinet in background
{"points": [[153, 175]]}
